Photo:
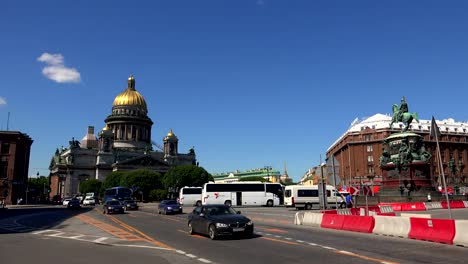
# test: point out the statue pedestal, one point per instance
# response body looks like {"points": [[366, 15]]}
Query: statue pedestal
{"points": [[416, 178]]}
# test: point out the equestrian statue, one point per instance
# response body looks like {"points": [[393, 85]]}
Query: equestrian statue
{"points": [[401, 114]]}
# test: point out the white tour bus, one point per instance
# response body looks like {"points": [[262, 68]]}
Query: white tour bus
{"points": [[305, 196], [243, 193], [190, 196]]}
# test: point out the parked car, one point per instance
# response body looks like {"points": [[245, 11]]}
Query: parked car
{"points": [[130, 205], [218, 220], [74, 204], [112, 207], [169, 207], [89, 201], [66, 201], [57, 199]]}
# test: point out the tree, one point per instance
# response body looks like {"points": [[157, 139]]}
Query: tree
{"points": [[142, 180], [186, 175], [253, 178], [91, 185], [113, 179], [38, 188]]}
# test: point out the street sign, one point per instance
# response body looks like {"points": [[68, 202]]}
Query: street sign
{"points": [[333, 171], [354, 190], [368, 190]]}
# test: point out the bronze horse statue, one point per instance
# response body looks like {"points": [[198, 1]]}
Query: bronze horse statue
{"points": [[406, 118]]}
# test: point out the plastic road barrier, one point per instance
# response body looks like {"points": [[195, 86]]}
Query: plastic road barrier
{"points": [[436, 205], [461, 233], [344, 211], [436, 230], [392, 226], [333, 221], [298, 218], [356, 223], [314, 219]]}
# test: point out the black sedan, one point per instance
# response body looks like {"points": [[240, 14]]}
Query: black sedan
{"points": [[130, 205], [74, 204], [112, 206], [169, 207], [217, 220]]}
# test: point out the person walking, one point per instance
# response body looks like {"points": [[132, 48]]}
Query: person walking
{"points": [[349, 201]]}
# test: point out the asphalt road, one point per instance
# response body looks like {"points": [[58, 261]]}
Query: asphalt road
{"points": [[145, 237]]}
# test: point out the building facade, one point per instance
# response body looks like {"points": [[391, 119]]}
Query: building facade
{"points": [[358, 150], [15, 150], [267, 173], [124, 144]]}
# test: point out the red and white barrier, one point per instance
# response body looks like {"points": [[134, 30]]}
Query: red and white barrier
{"points": [[446, 231]]}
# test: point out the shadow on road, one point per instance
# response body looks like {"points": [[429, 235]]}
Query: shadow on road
{"points": [[29, 219]]}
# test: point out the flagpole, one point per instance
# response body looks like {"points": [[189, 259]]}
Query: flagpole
{"points": [[442, 170]]}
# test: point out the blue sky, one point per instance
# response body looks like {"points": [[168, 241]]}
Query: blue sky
{"points": [[249, 83]]}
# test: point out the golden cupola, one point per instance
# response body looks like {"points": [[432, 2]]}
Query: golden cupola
{"points": [[130, 97]]}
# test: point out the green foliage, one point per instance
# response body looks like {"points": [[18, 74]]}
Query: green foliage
{"points": [[143, 180], [158, 195], [91, 185], [38, 188], [253, 178], [186, 175], [113, 179]]}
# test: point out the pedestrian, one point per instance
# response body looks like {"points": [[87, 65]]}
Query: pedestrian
{"points": [[429, 199], [349, 201]]}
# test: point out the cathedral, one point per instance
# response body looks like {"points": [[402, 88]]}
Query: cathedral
{"points": [[124, 144]]}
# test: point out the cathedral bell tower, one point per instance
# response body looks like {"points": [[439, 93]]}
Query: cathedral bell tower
{"points": [[171, 145]]}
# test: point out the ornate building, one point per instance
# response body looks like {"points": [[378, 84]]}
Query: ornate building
{"points": [[123, 144], [15, 150]]}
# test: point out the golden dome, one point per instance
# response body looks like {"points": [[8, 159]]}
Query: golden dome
{"points": [[170, 134], [130, 97]]}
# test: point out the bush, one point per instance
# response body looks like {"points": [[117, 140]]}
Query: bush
{"points": [[157, 195]]}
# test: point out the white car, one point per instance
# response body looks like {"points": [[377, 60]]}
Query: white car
{"points": [[89, 201], [66, 201]]}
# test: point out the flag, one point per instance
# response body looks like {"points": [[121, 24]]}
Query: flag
{"points": [[435, 132]]}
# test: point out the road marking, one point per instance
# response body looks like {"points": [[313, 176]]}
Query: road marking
{"points": [[44, 231], [204, 260], [150, 239], [364, 257], [299, 242], [190, 255], [56, 234], [274, 230], [281, 241], [99, 240]]}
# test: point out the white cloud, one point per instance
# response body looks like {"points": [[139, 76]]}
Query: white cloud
{"points": [[56, 70], [2, 101]]}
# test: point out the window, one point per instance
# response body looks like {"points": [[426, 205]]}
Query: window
{"points": [[370, 158], [369, 148], [307, 193], [5, 148], [370, 170], [192, 191], [367, 137]]}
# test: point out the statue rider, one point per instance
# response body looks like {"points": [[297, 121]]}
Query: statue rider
{"points": [[403, 108]]}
